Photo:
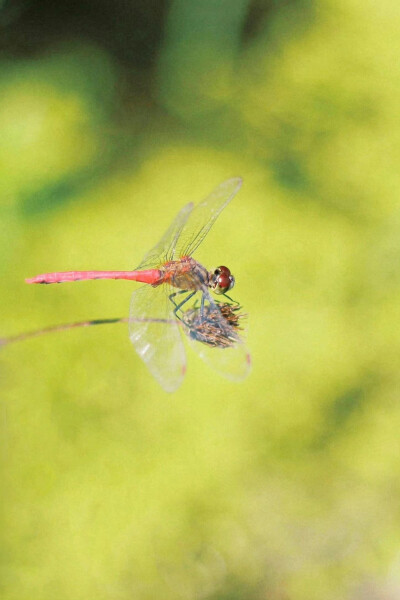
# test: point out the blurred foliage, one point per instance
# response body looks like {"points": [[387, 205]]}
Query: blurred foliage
{"points": [[112, 116]]}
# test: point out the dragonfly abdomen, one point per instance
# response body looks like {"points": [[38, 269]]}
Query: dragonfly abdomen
{"points": [[150, 276]]}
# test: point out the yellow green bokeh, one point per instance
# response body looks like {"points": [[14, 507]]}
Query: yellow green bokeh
{"points": [[285, 486]]}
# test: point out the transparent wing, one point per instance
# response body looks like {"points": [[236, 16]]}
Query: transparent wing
{"points": [[162, 251], [200, 220], [233, 363], [218, 337], [154, 332]]}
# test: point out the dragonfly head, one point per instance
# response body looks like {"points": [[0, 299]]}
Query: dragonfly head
{"points": [[221, 280]]}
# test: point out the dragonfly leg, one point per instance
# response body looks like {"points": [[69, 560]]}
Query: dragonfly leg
{"points": [[179, 306], [202, 306], [231, 299], [172, 296]]}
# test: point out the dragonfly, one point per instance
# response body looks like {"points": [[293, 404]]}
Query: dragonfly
{"points": [[177, 296]]}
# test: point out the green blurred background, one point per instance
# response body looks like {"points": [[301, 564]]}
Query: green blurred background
{"points": [[112, 116]]}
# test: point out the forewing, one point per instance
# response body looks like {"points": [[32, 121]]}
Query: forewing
{"points": [[163, 251], [203, 216], [154, 332]]}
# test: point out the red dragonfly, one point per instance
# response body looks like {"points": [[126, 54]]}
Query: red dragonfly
{"points": [[177, 296]]}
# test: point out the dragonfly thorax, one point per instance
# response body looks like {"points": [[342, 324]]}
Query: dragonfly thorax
{"points": [[188, 274], [185, 274]]}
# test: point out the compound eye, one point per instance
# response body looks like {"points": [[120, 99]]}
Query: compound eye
{"points": [[223, 280]]}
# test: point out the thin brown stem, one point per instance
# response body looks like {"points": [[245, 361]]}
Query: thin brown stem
{"points": [[21, 337]]}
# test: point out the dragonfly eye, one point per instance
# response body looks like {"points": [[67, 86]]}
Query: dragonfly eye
{"points": [[222, 280]]}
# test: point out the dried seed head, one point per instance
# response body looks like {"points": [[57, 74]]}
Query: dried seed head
{"points": [[208, 327]]}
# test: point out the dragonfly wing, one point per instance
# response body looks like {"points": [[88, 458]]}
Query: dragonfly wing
{"points": [[225, 351], [203, 216], [154, 332], [233, 363], [162, 251]]}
